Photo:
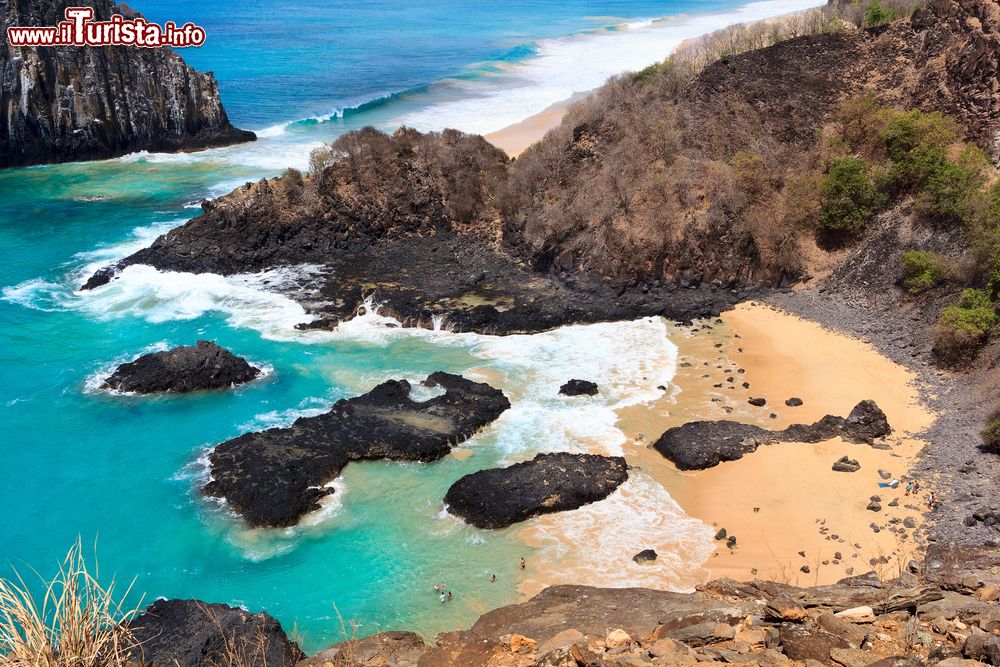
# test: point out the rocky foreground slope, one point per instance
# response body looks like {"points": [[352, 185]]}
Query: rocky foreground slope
{"points": [[946, 613], [60, 104]]}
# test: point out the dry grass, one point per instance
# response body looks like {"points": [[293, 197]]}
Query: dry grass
{"points": [[78, 622]]}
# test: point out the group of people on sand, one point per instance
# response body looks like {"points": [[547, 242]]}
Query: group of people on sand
{"points": [[912, 488], [441, 588]]}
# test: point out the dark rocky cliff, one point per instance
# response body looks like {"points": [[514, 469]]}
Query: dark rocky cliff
{"points": [[59, 104]]}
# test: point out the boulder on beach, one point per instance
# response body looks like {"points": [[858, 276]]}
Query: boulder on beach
{"points": [[273, 477], [204, 366], [705, 444], [846, 464], [190, 633], [793, 402], [578, 388], [499, 497]]}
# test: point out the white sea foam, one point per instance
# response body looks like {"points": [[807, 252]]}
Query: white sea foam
{"points": [[248, 301], [92, 385], [595, 543], [565, 66]]}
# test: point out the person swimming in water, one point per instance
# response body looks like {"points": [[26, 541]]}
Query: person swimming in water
{"points": [[523, 564]]}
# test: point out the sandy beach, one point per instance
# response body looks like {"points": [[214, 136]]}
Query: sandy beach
{"points": [[785, 499], [514, 139]]}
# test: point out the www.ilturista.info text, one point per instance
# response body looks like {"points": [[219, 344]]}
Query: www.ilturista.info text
{"points": [[80, 30]]}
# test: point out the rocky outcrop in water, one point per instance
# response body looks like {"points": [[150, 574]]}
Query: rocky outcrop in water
{"points": [[273, 477], [190, 633], [66, 103], [578, 388], [499, 497], [705, 444], [203, 366]]}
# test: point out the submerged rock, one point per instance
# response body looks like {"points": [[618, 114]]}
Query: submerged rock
{"points": [[578, 388], [273, 477], [190, 633], [181, 370], [499, 497], [705, 444]]}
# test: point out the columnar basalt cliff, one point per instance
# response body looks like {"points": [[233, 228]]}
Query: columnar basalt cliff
{"points": [[60, 104]]}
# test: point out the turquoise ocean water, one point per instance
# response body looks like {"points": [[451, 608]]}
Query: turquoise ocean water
{"points": [[124, 470]]}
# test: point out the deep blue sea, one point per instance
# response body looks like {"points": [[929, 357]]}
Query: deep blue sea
{"points": [[124, 471]]}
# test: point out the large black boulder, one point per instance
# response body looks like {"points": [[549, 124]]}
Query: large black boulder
{"points": [[273, 477], [705, 444], [499, 497], [183, 369], [190, 633]]}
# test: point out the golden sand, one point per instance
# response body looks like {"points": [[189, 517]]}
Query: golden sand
{"points": [[785, 498], [513, 139]]}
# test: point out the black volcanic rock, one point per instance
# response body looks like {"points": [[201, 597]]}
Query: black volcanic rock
{"points": [[578, 388], [499, 497], [273, 477], [705, 444], [65, 103], [190, 633], [181, 370]]}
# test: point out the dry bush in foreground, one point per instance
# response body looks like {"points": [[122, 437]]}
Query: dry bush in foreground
{"points": [[77, 622]]}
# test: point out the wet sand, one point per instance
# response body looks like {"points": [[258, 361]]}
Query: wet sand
{"points": [[785, 498]]}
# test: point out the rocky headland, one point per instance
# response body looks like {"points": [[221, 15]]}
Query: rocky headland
{"points": [[271, 478], [200, 367], [68, 103], [500, 497]]}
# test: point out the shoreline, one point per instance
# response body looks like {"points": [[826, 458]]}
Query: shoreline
{"points": [[517, 137], [814, 509]]}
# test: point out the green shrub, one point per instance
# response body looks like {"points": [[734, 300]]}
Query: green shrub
{"points": [[963, 326], [876, 14], [915, 135], [952, 191], [922, 270], [849, 196], [991, 436]]}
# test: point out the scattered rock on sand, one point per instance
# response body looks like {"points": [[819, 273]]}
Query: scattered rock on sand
{"points": [[793, 402], [846, 464], [757, 402], [578, 388], [499, 497], [184, 369]]}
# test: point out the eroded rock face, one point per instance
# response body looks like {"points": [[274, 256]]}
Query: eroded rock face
{"points": [[203, 366], [59, 104], [705, 444], [190, 633], [499, 497], [273, 477]]}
